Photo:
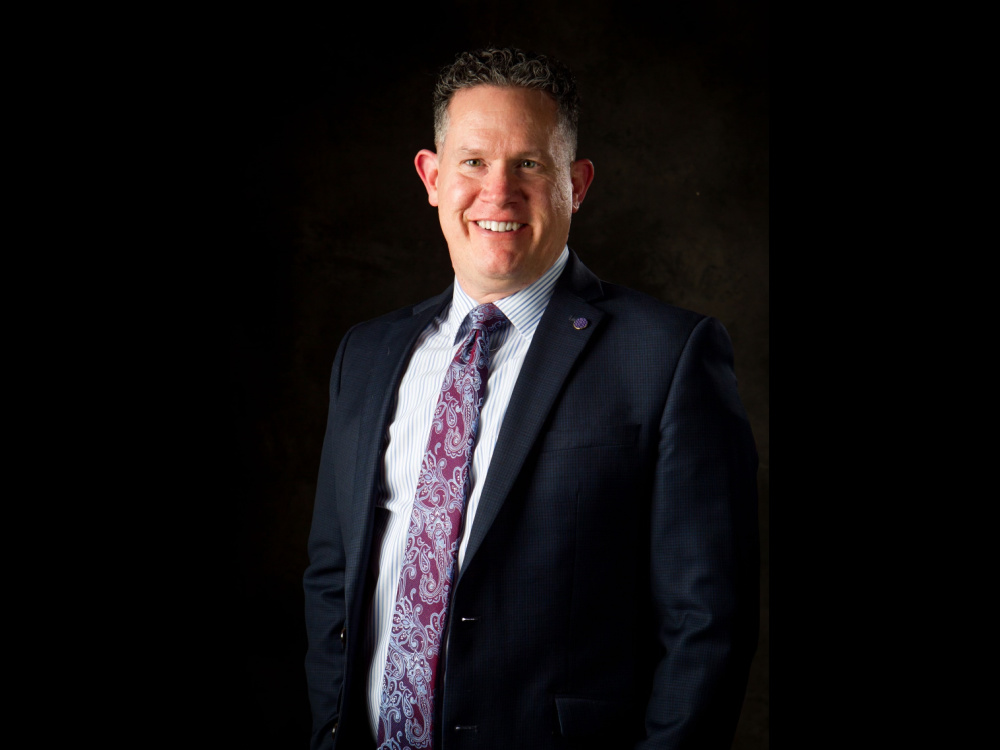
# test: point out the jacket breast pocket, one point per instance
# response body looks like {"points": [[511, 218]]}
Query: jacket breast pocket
{"points": [[591, 436]]}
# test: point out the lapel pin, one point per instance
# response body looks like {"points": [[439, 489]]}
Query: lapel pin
{"points": [[580, 323]]}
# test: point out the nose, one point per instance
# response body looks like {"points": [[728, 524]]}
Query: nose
{"points": [[500, 186]]}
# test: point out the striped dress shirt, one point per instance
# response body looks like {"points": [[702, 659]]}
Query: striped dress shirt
{"points": [[409, 430]]}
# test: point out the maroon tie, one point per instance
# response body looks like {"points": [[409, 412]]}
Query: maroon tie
{"points": [[420, 614]]}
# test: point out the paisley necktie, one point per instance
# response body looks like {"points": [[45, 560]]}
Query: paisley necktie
{"points": [[420, 612]]}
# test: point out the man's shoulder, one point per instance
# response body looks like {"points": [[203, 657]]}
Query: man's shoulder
{"points": [[399, 319], [625, 305], [625, 300], [629, 313]]}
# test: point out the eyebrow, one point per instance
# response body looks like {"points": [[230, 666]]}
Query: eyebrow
{"points": [[532, 155]]}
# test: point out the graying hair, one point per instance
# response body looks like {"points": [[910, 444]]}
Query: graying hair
{"points": [[509, 67]]}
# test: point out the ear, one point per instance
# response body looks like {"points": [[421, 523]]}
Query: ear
{"points": [[426, 163], [582, 174]]}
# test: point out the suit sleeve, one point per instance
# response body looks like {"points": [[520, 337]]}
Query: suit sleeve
{"points": [[704, 551], [324, 585]]}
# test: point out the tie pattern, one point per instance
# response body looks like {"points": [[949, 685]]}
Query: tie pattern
{"points": [[420, 612]]}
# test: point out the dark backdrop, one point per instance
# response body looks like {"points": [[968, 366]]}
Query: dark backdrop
{"points": [[322, 114]]}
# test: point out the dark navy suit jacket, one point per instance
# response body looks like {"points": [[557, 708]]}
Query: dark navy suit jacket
{"points": [[609, 593]]}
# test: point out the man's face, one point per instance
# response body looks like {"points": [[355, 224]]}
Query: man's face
{"points": [[504, 187]]}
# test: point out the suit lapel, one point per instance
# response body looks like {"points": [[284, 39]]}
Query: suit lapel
{"points": [[388, 363], [555, 347]]}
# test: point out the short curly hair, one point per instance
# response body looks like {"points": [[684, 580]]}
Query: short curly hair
{"points": [[509, 67]]}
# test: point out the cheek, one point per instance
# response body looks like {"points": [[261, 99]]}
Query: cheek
{"points": [[458, 194], [556, 205], [563, 193], [451, 211], [556, 193]]}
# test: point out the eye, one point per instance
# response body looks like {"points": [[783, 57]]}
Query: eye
{"points": [[473, 162], [529, 163]]}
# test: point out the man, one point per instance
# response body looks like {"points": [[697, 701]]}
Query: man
{"points": [[569, 560]]}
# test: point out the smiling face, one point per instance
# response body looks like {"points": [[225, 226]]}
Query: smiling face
{"points": [[505, 187]]}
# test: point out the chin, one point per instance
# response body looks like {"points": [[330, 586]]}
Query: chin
{"points": [[501, 269]]}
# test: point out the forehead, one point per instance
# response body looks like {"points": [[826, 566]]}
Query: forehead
{"points": [[491, 112]]}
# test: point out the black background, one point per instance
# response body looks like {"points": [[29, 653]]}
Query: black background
{"points": [[319, 221]]}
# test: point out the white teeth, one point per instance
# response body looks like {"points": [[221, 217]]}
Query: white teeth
{"points": [[499, 226]]}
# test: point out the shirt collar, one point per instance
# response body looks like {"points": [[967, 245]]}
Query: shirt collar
{"points": [[523, 308]]}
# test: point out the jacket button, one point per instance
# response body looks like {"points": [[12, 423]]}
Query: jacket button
{"points": [[343, 637], [333, 732]]}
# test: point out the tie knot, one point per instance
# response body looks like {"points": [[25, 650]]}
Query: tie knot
{"points": [[488, 317]]}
